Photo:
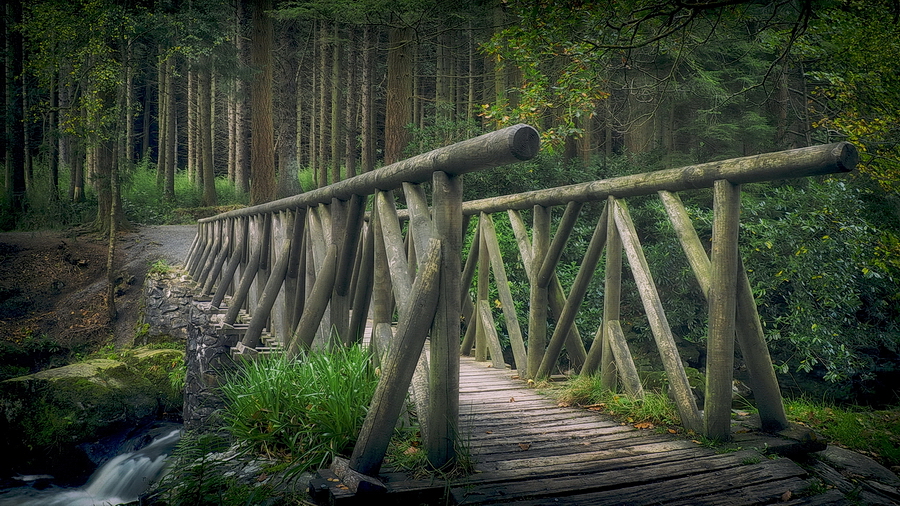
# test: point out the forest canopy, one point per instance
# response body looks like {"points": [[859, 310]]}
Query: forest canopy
{"points": [[119, 111]]}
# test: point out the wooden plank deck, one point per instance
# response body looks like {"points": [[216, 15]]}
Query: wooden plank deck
{"points": [[529, 451]]}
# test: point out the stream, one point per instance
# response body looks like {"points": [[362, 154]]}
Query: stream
{"points": [[121, 480]]}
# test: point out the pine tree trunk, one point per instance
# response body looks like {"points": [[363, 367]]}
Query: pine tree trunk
{"points": [[367, 156], [162, 122], [320, 141], [262, 151], [351, 106], [50, 136], [15, 154], [204, 77], [398, 111], [171, 137], [336, 127]]}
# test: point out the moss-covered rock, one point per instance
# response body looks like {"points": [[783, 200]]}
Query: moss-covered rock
{"points": [[47, 414]]}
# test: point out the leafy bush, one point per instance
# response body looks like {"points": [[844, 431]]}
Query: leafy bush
{"points": [[306, 410]]}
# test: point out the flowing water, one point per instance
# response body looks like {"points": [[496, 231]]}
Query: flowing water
{"points": [[121, 480]]}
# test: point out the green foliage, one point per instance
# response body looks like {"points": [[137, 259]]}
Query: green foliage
{"points": [[873, 432], [854, 45], [144, 202], [306, 411], [824, 299], [655, 408], [160, 267], [199, 475]]}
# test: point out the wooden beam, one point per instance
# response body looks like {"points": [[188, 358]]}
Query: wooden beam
{"points": [[720, 340], [490, 330], [794, 163], [576, 295], [624, 361], [397, 370], [508, 145], [665, 342], [517, 343], [305, 333], [443, 413], [538, 300], [563, 231], [748, 329]]}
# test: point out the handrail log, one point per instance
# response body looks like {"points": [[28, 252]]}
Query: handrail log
{"points": [[505, 146], [794, 163]]}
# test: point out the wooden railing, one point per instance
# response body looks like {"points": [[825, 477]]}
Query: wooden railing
{"points": [[306, 269], [309, 269]]}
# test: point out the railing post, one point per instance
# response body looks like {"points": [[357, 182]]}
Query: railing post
{"points": [[537, 316], [720, 343], [443, 413]]}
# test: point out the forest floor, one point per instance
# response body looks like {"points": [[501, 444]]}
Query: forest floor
{"points": [[53, 291]]}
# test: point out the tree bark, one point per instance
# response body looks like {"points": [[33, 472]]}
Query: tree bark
{"points": [[207, 170], [15, 155], [262, 153], [398, 111]]}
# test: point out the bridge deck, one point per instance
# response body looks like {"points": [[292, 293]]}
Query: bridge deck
{"points": [[528, 450]]}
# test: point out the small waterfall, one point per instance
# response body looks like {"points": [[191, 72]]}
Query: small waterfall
{"points": [[121, 480]]}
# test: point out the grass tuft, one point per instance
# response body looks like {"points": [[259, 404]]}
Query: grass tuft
{"points": [[305, 411]]}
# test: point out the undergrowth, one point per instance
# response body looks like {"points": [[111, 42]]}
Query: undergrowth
{"points": [[304, 411]]}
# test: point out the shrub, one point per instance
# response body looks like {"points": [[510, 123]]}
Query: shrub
{"points": [[306, 410]]}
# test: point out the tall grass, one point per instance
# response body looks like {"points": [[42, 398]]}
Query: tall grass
{"points": [[305, 411]]}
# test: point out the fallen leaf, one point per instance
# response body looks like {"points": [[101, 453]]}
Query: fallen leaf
{"points": [[524, 446], [563, 404], [695, 441], [673, 431], [488, 432], [333, 480], [785, 497], [512, 399], [643, 425], [412, 450]]}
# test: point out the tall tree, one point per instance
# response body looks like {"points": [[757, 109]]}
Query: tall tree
{"points": [[15, 116], [262, 151], [399, 112]]}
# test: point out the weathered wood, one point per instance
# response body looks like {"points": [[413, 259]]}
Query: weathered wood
{"points": [[356, 207], [393, 246], [538, 301], [305, 333], [265, 259], [481, 294], [243, 289], [748, 329], [362, 294], [665, 342], [267, 299], [340, 303], [493, 340], [612, 297], [292, 275], [443, 412], [237, 256], [356, 482], [624, 362], [574, 345], [517, 343], [576, 294], [219, 261], [381, 279], [397, 371], [803, 162], [211, 247], [192, 251], [505, 146], [720, 340], [420, 224], [563, 231]]}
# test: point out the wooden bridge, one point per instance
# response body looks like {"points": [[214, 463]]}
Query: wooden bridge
{"points": [[308, 270]]}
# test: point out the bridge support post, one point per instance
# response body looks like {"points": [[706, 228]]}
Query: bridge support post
{"points": [[443, 412], [720, 343]]}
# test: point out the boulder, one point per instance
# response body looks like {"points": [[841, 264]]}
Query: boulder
{"points": [[43, 416]]}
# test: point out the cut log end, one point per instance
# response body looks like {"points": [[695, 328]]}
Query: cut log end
{"points": [[524, 142], [847, 156]]}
